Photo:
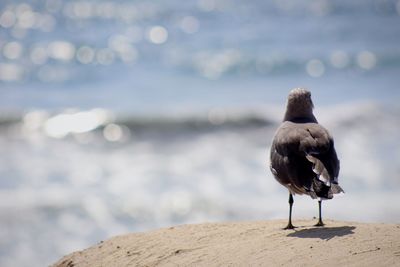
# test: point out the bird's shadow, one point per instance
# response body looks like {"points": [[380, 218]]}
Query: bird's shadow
{"points": [[324, 233]]}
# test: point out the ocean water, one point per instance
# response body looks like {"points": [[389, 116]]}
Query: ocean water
{"points": [[126, 116]]}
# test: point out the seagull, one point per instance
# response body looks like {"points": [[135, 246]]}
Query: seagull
{"points": [[303, 156]]}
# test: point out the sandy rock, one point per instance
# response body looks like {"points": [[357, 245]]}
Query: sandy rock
{"points": [[249, 244]]}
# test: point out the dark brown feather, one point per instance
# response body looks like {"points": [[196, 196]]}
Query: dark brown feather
{"points": [[292, 144]]}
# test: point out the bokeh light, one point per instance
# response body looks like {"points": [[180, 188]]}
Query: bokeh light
{"points": [[12, 50], [157, 35], [366, 60], [315, 68], [339, 59]]}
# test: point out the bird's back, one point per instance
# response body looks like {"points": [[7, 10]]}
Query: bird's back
{"points": [[303, 158]]}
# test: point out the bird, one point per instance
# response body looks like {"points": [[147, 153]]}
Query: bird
{"points": [[303, 157]]}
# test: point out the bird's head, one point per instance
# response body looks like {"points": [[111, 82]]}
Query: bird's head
{"points": [[299, 105]]}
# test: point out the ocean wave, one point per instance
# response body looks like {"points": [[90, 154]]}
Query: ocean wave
{"points": [[62, 124]]}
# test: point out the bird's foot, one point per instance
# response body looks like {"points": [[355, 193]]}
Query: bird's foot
{"points": [[319, 223], [289, 227]]}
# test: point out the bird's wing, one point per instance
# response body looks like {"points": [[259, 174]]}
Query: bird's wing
{"points": [[319, 149], [312, 141], [288, 164]]}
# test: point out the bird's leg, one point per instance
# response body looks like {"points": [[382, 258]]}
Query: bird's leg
{"points": [[291, 201], [319, 223]]}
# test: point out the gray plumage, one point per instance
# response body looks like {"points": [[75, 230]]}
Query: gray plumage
{"points": [[303, 156]]}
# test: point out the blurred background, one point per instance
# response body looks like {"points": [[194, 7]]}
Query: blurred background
{"points": [[126, 116]]}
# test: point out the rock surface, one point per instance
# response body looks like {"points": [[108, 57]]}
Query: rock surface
{"points": [[261, 243]]}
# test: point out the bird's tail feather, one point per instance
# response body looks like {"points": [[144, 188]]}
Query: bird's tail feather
{"points": [[321, 190], [319, 169], [323, 186], [336, 189]]}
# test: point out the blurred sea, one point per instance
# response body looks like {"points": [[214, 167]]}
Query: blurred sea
{"points": [[125, 116]]}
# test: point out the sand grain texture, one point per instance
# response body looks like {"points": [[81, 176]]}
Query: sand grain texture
{"points": [[249, 244]]}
